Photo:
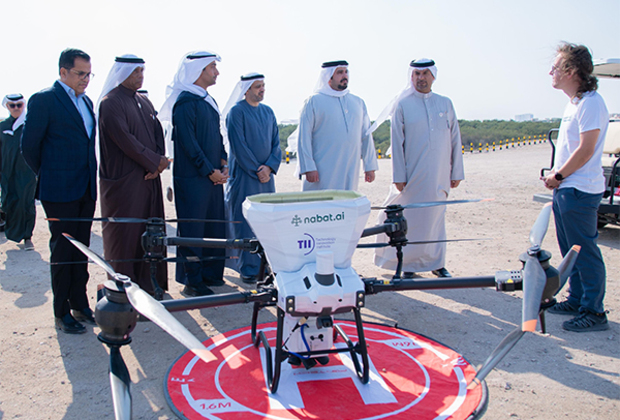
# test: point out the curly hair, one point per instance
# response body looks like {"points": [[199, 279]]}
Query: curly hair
{"points": [[578, 58]]}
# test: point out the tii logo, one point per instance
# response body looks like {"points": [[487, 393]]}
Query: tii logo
{"points": [[296, 221], [307, 245]]}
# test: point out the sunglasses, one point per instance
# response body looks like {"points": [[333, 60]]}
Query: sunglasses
{"points": [[17, 105]]}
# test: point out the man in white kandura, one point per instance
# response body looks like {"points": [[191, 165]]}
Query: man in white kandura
{"points": [[333, 134], [426, 163]]}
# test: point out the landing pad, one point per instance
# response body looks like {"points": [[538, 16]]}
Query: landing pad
{"points": [[411, 376]]}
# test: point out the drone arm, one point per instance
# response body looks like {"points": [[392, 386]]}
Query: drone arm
{"points": [[375, 230], [374, 286], [219, 300], [503, 281], [244, 244]]}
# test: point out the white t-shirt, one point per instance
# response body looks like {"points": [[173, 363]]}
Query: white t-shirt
{"points": [[590, 113]]}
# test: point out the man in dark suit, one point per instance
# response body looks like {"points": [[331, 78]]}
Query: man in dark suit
{"points": [[58, 143]]}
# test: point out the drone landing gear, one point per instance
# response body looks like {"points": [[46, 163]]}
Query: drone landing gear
{"points": [[281, 355]]}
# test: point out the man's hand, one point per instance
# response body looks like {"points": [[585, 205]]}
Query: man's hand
{"points": [[163, 164], [455, 183], [370, 176], [217, 177], [312, 176], [400, 186], [264, 173], [550, 182]]}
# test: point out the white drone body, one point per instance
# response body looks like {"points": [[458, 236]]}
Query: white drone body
{"points": [[309, 239]]}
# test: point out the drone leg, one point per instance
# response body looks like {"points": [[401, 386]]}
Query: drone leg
{"points": [[255, 310], [399, 257], [279, 352], [159, 292], [361, 343], [261, 269], [352, 350], [541, 315], [268, 361], [543, 328]]}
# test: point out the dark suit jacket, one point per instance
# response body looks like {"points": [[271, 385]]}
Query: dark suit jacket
{"points": [[57, 148]]}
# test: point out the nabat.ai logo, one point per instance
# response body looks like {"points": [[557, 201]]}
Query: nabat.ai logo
{"points": [[317, 218], [307, 244]]}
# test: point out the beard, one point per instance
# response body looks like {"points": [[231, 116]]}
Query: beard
{"points": [[344, 83]]}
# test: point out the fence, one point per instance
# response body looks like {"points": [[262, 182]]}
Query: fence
{"points": [[507, 144]]}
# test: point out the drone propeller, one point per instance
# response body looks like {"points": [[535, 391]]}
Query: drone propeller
{"points": [[149, 307], [537, 234], [189, 259], [534, 281], [431, 204], [134, 220], [385, 244], [119, 382], [566, 266]]}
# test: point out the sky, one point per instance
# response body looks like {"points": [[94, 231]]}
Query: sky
{"points": [[493, 57]]}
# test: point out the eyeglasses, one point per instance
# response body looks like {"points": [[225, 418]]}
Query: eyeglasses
{"points": [[554, 69], [83, 75], [15, 105]]}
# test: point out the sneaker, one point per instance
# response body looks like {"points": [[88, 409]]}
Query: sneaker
{"points": [[28, 245], [587, 322], [564, 308], [197, 290]]}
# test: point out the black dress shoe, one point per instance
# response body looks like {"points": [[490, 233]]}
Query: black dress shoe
{"points": [[69, 325], [408, 274], [442, 272], [213, 282], [84, 315], [197, 290], [248, 279]]}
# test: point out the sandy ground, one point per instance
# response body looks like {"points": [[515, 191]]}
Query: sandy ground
{"points": [[45, 374]]}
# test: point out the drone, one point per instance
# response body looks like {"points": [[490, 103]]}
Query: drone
{"points": [[306, 241]]}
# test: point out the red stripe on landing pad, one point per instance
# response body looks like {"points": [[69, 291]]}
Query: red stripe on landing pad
{"points": [[412, 377]]}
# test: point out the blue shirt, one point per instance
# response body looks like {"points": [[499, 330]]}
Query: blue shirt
{"points": [[89, 122]]}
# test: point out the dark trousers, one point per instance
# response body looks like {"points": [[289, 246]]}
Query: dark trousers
{"points": [[575, 224], [69, 280], [198, 198]]}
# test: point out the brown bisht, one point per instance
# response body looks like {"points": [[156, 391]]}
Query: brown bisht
{"points": [[131, 146]]}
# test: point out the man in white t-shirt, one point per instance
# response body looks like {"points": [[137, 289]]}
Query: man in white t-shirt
{"points": [[578, 183]]}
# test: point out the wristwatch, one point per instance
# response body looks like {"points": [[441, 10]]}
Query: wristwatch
{"points": [[558, 176]]}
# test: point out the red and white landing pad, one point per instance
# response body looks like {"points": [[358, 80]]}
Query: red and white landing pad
{"points": [[411, 377]]}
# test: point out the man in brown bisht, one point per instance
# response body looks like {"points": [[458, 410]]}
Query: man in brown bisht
{"points": [[132, 155]]}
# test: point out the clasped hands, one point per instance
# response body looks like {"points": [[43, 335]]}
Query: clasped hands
{"points": [[163, 164], [313, 176], [263, 173]]}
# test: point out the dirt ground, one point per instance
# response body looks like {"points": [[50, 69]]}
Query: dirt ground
{"points": [[45, 374]]}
